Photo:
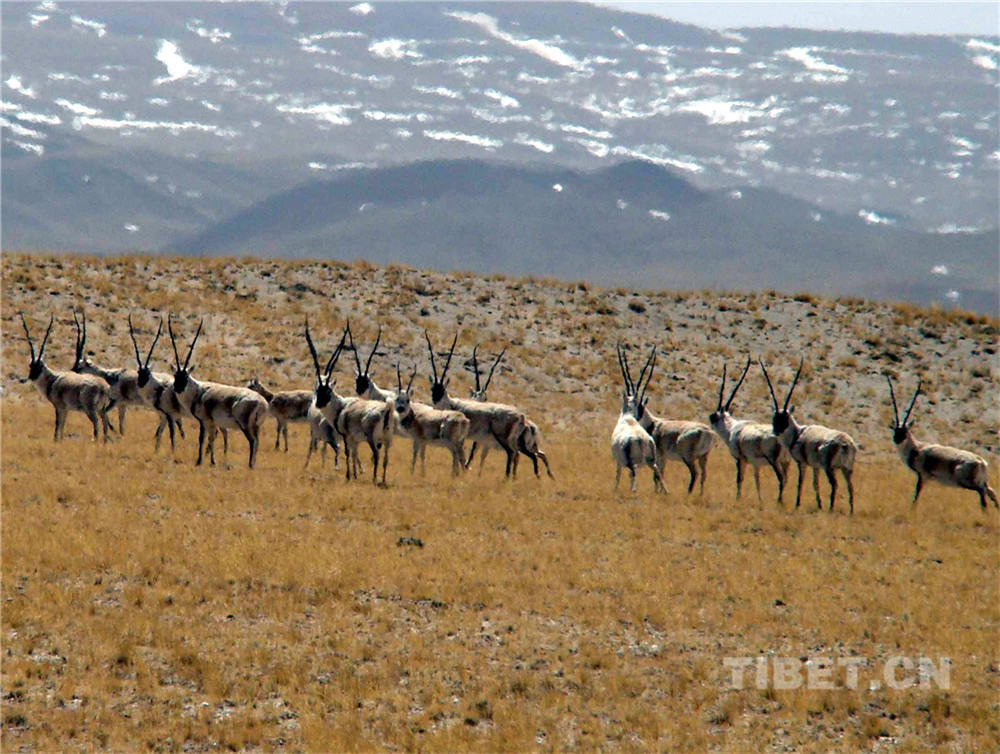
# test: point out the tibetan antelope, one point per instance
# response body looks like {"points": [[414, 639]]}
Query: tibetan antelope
{"points": [[527, 443], [156, 389], [749, 442], [321, 434], [216, 406], [813, 445], [488, 422], [123, 382], [430, 426], [684, 441], [68, 391], [287, 407], [356, 420], [949, 466], [630, 443]]}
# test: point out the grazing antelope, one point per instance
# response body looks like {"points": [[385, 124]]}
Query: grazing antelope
{"points": [[630, 443], [813, 445], [68, 391], [949, 466], [123, 382], [527, 443], [287, 407], [684, 441], [488, 422], [216, 406], [355, 419], [749, 442], [431, 426], [321, 433]]}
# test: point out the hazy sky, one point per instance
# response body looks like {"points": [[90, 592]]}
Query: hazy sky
{"points": [[890, 16]]}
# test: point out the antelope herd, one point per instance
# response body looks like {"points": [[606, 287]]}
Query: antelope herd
{"points": [[375, 415]]}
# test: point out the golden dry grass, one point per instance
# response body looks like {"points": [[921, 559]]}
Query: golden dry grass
{"points": [[148, 603]]}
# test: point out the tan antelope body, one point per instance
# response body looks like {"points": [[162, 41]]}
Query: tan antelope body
{"points": [[530, 439], [685, 441], [813, 445], [69, 391], [217, 406], [321, 434], [124, 382], [749, 442], [431, 426], [356, 420], [940, 463], [287, 407], [488, 422], [631, 444]]}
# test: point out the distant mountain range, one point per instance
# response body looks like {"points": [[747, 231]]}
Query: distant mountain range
{"points": [[434, 134]]}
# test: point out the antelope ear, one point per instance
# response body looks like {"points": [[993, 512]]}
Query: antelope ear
{"points": [[190, 369], [446, 381], [791, 410]]}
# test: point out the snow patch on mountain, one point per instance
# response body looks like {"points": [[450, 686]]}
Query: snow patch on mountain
{"points": [[535, 46]]}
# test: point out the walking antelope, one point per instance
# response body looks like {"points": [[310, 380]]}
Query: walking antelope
{"points": [[216, 406], [68, 391], [630, 443], [431, 426], [527, 443], [123, 382], [488, 422], [813, 445], [287, 407], [684, 441], [355, 419], [949, 466], [749, 442]]}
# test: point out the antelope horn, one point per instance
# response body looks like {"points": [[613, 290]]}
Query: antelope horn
{"points": [[892, 395], [131, 332], [191, 349], [492, 368], [173, 341], [159, 329], [350, 340], [374, 349], [431, 349], [447, 363], [475, 366], [732, 395], [336, 354], [28, 336], [79, 345], [722, 388], [770, 387], [788, 398], [312, 349], [621, 365], [649, 362], [399, 379], [412, 375], [41, 350], [913, 402]]}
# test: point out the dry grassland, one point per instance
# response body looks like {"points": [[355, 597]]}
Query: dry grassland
{"points": [[147, 603]]}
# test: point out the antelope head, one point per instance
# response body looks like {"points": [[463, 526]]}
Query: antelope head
{"points": [[324, 393], [479, 393], [782, 417], [402, 402], [144, 372], [182, 373], [439, 383], [723, 407], [901, 429], [36, 365], [362, 381]]}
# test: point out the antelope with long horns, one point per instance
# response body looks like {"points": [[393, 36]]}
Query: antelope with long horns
{"points": [[123, 381], [813, 445], [940, 463], [527, 443], [157, 390], [430, 426], [356, 420], [68, 391], [749, 442], [685, 441], [632, 445], [286, 406], [216, 406], [488, 422]]}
